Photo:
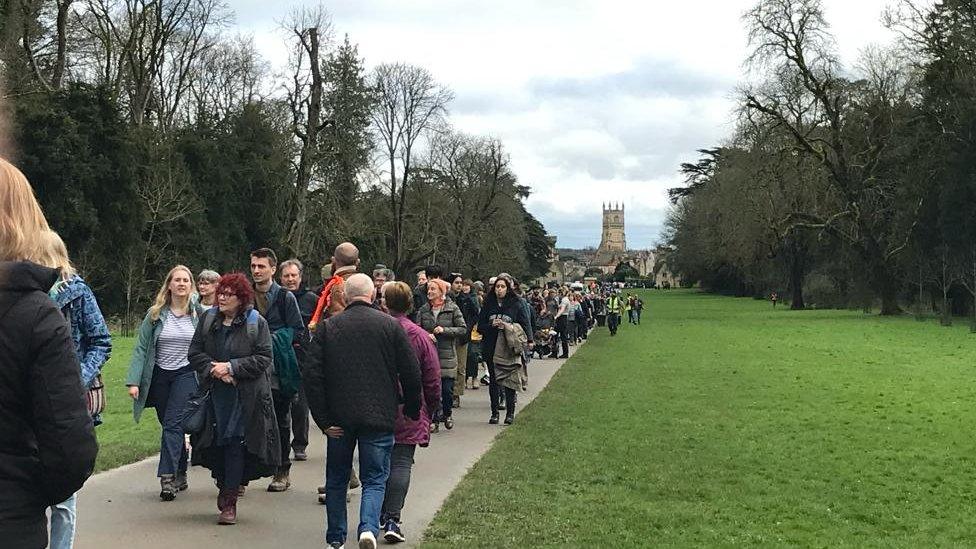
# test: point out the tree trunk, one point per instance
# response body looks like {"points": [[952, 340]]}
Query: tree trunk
{"points": [[888, 290], [798, 268], [62, 31], [309, 152]]}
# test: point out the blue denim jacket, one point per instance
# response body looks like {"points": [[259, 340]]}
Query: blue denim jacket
{"points": [[93, 343]]}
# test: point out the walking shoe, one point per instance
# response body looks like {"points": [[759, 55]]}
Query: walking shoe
{"points": [[456, 403], [167, 488], [181, 482], [301, 455], [336, 545], [321, 489], [494, 419], [367, 540], [392, 533], [280, 483], [449, 423], [509, 419], [484, 380], [435, 427]]}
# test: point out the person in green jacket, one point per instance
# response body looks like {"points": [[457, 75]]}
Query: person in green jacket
{"points": [[160, 375]]}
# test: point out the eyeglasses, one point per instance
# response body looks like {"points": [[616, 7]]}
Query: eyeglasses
{"points": [[227, 294]]}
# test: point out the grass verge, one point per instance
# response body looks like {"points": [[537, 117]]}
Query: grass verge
{"points": [[120, 439], [722, 422]]}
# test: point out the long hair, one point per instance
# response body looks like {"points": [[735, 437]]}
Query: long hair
{"points": [[21, 218], [163, 296], [54, 254]]}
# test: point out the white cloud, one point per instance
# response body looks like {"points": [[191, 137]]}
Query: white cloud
{"points": [[595, 100]]}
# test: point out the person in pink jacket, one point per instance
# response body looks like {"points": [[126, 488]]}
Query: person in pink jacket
{"points": [[397, 299]]}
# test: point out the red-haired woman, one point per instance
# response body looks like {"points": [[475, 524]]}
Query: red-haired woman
{"points": [[231, 353]]}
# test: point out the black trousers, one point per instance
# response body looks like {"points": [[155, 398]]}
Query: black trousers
{"points": [[299, 421], [282, 408]]}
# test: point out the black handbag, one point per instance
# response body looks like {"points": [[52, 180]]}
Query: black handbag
{"points": [[195, 413]]}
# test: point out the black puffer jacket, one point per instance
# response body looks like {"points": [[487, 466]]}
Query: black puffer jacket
{"points": [[356, 360], [47, 441]]}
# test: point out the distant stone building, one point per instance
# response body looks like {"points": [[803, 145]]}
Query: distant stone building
{"points": [[613, 240], [569, 265]]}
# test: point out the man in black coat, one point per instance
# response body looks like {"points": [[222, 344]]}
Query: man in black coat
{"points": [[360, 367], [47, 440]]}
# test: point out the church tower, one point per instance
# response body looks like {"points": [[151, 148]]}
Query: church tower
{"points": [[613, 240]]}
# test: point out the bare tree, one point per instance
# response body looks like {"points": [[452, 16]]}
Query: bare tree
{"points": [[309, 30], [410, 105], [144, 50], [851, 128]]}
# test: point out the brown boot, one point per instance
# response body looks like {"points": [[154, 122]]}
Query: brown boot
{"points": [[228, 514], [221, 499]]}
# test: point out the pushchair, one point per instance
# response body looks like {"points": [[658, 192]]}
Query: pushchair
{"points": [[546, 342]]}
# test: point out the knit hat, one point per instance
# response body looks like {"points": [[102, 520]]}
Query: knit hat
{"points": [[442, 285]]}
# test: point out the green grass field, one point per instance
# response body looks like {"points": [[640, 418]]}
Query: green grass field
{"points": [[120, 439], [721, 422]]}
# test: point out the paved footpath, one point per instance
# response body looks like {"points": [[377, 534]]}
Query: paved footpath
{"points": [[121, 508]]}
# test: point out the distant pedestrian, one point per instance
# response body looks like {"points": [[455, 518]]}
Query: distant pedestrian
{"points": [[638, 309], [160, 375], [774, 297], [362, 367], [613, 313]]}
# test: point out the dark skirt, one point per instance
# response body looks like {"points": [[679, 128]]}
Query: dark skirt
{"points": [[228, 413]]}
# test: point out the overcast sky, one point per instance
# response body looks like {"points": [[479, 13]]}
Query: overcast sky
{"points": [[595, 100]]}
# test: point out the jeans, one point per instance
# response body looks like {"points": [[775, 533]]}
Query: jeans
{"points": [[375, 448], [613, 320], [169, 391], [401, 465], [282, 408], [447, 396], [299, 422], [63, 516], [638, 312]]}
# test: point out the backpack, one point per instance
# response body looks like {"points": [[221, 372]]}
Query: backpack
{"points": [[252, 323]]}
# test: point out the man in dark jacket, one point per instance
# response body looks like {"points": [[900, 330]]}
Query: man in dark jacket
{"points": [[47, 441], [292, 272], [280, 308], [360, 363]]}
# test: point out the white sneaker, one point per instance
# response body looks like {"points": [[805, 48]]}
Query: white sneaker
{"points": [[367, 540]]}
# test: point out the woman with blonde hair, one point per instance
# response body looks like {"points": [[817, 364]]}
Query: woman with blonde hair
{"points": [[48, 450], [160, 374], [93, 345]]}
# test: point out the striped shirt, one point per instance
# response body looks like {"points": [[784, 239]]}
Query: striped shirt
{"points": [[174, 342]]}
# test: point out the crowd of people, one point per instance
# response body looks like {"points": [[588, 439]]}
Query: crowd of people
{"points": [[236, 364]]}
